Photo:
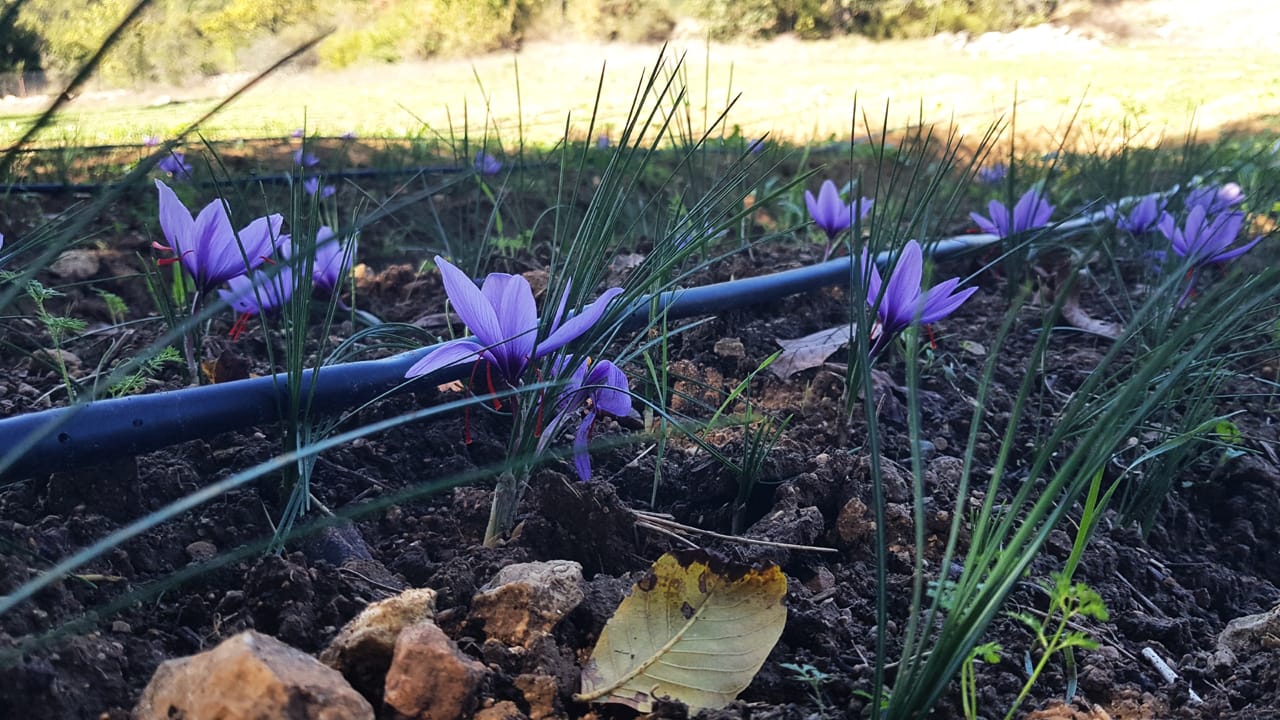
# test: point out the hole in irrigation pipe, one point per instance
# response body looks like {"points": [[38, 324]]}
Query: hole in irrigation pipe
{"points": [[137, 422], [63, 437]]}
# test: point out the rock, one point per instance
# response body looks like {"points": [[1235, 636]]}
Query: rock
{"points": [[730, 348], [201, 551], [57, 357], [250, 676], [430, 678], [505, 710], [362, 650], [1247, 635], [76, 265], [854, 524], [526, 600], [540, 692]]}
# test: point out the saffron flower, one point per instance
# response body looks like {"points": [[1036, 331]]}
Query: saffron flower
{"points": [[209, 250], [297, 133], [1205, 240], [262, 291], [332, 262], [603, 389], [1142, 217], [175, 165], [150, 140], [1215, 199], [756, 146], [487, 164], [832, 214], [302, 158], [1030, 212], [602, 141], [903, 303], [504, 319], [348, 135], [312, 185], [992, 174]]}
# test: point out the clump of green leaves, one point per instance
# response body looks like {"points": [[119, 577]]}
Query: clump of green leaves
{"points": [[814, 678], [59, 327], [1055, 632], [988, 653], [136, 381]]}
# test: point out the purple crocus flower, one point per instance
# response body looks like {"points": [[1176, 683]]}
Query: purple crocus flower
{"points": [[832, 214], [504, 319], [1205, 240], [261, 291], [312, 185], [1141, 218], [297, 133], [1215, 199], [992, 174], [1030, 212], [902, 303], [333, 261], [602, 141], [150, 140], [176, 165], [487, 164], [303, 158], [602, 388], [348, 135], [756, 146], [209, 250]]}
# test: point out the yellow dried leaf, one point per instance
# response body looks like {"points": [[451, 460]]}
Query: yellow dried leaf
{"points": [[694, 629]]}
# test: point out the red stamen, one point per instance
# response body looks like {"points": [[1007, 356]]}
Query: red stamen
{"points": [[161, 248], [241, 324], [933, 343], [166, 262], [488, 375]]}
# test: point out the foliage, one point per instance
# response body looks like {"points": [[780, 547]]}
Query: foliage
{"points": [[881, 19], [229, 36]]}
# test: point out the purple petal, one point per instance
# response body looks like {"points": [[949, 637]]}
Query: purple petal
{"points": [[512, 301], [455, 352], [903, 291], [984, 224], [582, 460], [578, 324], [175, 220], [942, 301], [1237, 252], [611, 392], [470, 304]]}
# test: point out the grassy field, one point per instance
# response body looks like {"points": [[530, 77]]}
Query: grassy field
{"points": [[790, 89]]}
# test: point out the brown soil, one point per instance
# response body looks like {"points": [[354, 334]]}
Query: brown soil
{"points": [[1209, 559]]}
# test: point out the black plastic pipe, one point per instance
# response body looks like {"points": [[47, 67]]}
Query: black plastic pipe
{"points": [[95, 432]]}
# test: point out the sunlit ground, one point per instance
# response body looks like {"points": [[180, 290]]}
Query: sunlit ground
{"points": [[790, 89]]}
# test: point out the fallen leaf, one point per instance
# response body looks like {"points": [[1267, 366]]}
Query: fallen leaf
{"points": [[1074, 314], [809, 351], [695, 629]]}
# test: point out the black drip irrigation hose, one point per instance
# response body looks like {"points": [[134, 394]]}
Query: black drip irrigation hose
{"points": [[104, 430]]}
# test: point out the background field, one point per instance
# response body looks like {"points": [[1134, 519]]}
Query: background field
{"points": [[1159, 67]]}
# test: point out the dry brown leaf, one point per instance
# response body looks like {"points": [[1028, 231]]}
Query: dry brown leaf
{"points": [[695, 629], [1074, 314], [809, 351]]}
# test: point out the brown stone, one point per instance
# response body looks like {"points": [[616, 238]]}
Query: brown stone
{"points": [[540, 692], [362, 650], [504, 710], [430, 678], [1248, 635], [854, 524], [250, 676], [525, 601], [75, 265]]}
